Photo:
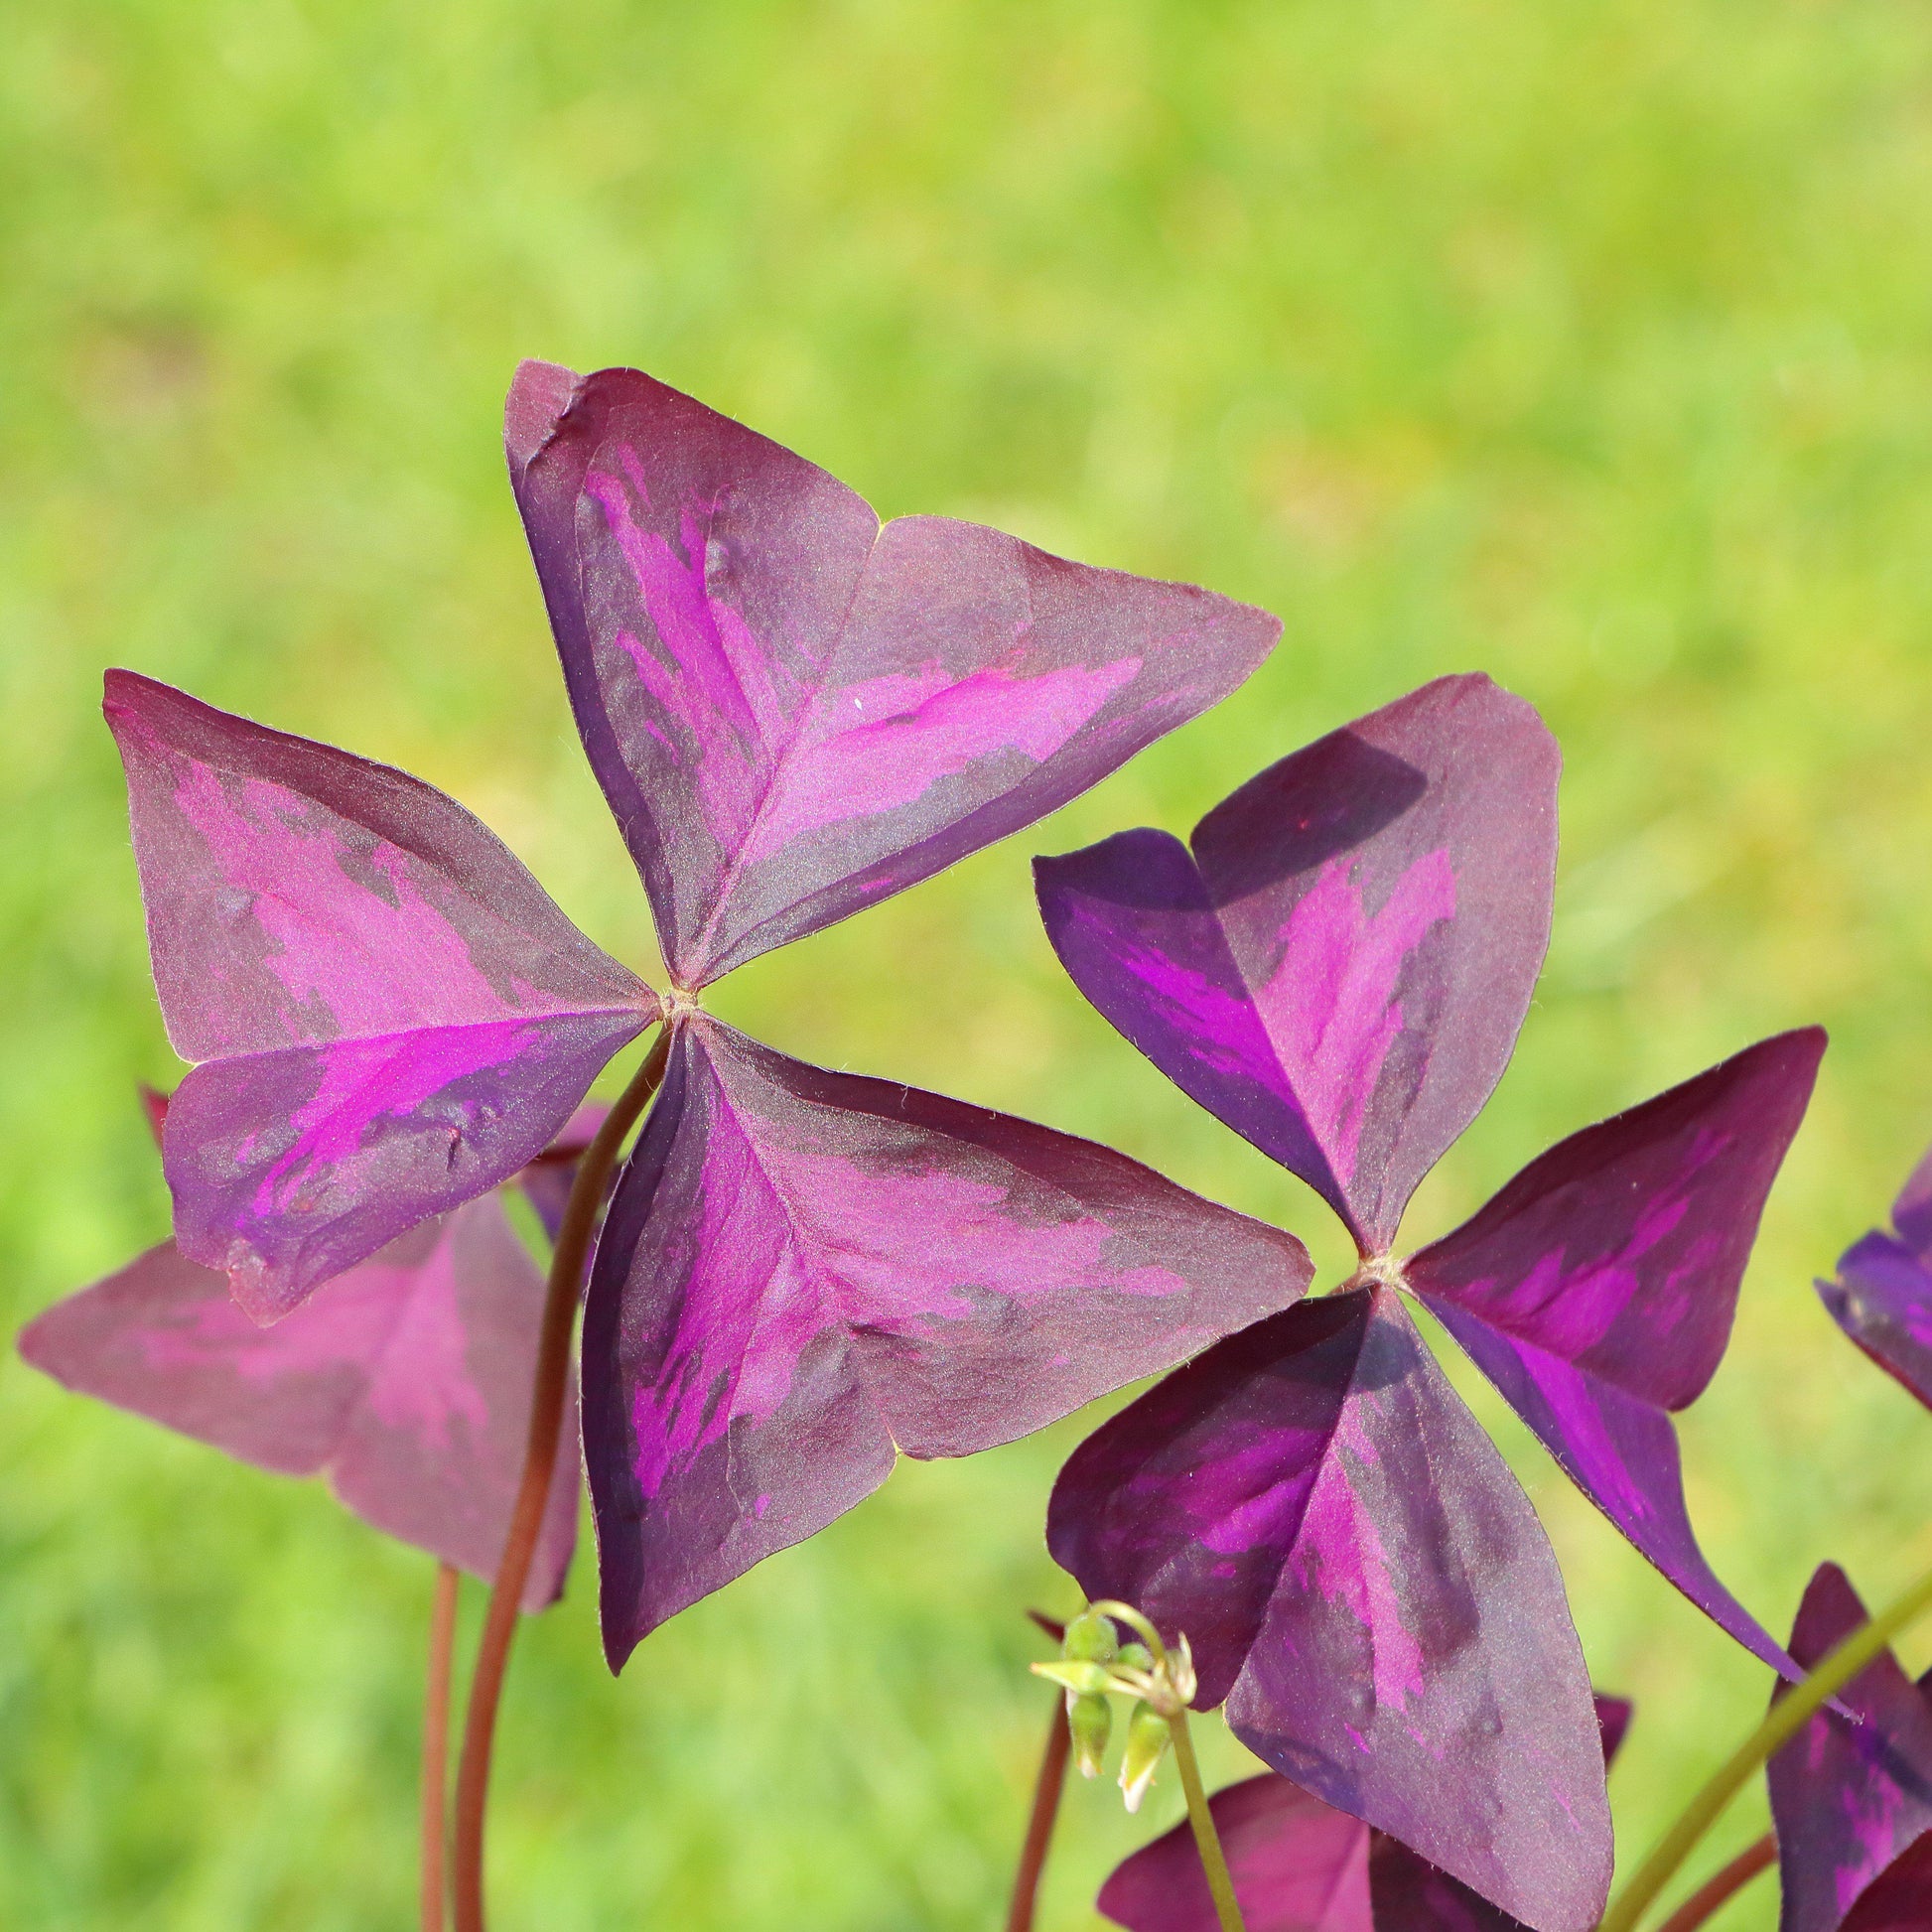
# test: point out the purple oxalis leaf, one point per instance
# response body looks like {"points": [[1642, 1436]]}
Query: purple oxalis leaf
{"points": [[1340, 965], [1596, 1291], [1300, 1866], [806, 1273], [1339, 969], [1853, 1801], [405, 1380], [389, 1015], [1367, 1586], [794, 710], [1883, 1298]]}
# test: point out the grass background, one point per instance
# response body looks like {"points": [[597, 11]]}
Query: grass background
{"points": [[1587, 344]]}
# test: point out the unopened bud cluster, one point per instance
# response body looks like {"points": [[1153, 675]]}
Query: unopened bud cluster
{"points": [[1094, 1665]]}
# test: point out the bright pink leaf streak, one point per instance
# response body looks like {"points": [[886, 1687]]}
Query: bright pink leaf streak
{"points": [[1330, 1004], [376, 961]]}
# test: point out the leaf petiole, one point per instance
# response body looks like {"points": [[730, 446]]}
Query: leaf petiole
{"points": [[534, 1492], [1722, 1885], [436, 1745], [1039, 1826]]}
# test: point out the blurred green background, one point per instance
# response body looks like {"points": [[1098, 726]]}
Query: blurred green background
{"points": [[1589, 344]]}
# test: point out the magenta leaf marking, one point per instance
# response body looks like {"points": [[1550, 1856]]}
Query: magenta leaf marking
{"points": [[804, 1274], [405, 1381], [390, 1014], [1365, 1583], [1340, 967], [1853, 1801], [1883, 1298], [795, 711], [1300, 1866], [1896, 1900], [1596, 1291]]}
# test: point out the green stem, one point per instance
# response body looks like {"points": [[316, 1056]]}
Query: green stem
{"points": [[1786, 1718], [534, 1492], [1207, 1840], [1220, 1884]]}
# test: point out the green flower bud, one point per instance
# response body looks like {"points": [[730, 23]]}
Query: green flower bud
{"points": [[1081, 1679], [1089, 1639], [1090, 1720], [1136, 1656], [1147, 1738]]}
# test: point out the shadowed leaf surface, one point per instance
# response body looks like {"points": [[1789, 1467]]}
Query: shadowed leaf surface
{"points": [[806, 1273], [1341, 964], [1596, 1291]]}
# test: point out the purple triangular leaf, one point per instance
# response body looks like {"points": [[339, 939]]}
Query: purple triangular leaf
{"points": [[390, 1014], [1412, 1895], [1883, 1298], [795, 711], [1297, 1866], [1911, 1212], [406, 1381], [1596, 1291], [804, 1273], [1612, 1723], [1340, 966], [1849, 1799], [1366, 1584]]}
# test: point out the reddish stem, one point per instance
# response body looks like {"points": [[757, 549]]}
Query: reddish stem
{"points": [[1039, 1827], [1720, 1885], [436, 1743], [533, 1495]]}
